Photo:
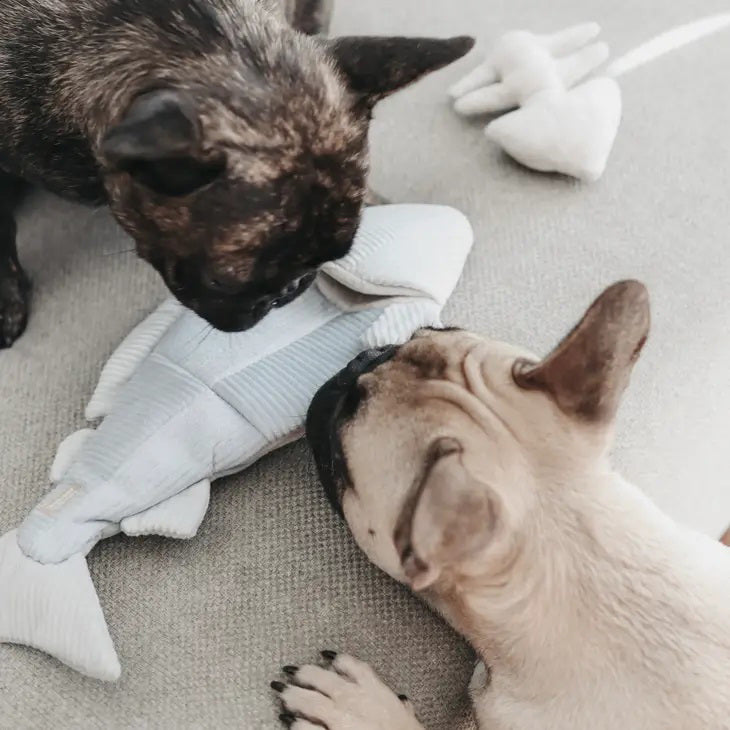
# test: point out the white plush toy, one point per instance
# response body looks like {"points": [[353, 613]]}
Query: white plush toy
{"points": [[183, 405], [557, 125]]}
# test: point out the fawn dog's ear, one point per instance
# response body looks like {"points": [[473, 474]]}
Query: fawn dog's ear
{"points": [[590, 369]]}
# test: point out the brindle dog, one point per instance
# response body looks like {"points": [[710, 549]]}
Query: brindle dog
{"points": [[227, 136]]}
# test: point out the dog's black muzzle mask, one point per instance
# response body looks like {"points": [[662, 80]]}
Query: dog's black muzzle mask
{"points": [[333, 406]]}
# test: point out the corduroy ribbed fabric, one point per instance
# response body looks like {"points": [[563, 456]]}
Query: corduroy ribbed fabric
{"points": [[199, 404], [273, 576]]}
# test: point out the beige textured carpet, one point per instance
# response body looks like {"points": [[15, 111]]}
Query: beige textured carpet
{"points": [[202, 627]]}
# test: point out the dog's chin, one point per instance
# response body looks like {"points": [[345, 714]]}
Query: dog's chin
{"points": [[230, 323], [225, 318]]}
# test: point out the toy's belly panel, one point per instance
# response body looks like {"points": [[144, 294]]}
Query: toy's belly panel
{"points": [[210, 355], [275, 392], [157, 393]]}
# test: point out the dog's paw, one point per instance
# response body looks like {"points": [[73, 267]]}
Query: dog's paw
{"points": [[347, 695], [14, 304]]}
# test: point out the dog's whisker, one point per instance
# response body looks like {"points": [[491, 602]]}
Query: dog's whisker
{"points": [[207, 331], [206, 336]]}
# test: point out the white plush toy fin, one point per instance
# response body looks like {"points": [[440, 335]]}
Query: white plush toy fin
{"points": [[67, 451], [406, 250], [134, 349], [577, 129], [54, 608], [178, 517], [557, 126], [414, 252], [507, 53], [522, 64]]}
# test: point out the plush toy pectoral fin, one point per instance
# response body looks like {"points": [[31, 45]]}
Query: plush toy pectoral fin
{"points": [[487, 100], [483, 75], [178, 517], [67, 452], [571, 133], [54, 608], [134, 349]]}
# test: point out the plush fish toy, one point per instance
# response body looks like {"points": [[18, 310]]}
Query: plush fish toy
{"points": [[183, 405]]}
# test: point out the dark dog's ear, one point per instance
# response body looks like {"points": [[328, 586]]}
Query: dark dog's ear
{"points": [[450, 517], [376, 67], [157, 143], [589, 371]]}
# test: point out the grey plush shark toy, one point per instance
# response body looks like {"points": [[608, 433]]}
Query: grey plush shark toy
{"points": [[183, 405]]}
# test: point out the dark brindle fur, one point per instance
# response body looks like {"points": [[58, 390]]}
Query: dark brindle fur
{"points": [[230, 144]]}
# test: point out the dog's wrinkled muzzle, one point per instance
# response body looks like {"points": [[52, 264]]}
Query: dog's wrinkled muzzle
{"points": [[335, 404]]}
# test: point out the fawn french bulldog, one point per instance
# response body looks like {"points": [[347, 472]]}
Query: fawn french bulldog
{"points": [[494, 499]]}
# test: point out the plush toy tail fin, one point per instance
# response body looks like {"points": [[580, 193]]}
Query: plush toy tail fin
{"points": [[54, 608]]}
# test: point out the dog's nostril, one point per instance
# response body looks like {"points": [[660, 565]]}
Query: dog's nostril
{"points": [[220, 284]]}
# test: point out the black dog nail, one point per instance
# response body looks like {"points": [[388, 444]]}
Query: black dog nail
{"points": [[278, 686], [403, 698], [290, 670], [287, 719], [330, 656]]}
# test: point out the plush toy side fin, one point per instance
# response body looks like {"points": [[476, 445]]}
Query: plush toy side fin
{"points": [[406, 251], [54, 608], [134, 349], [178, 517], [66, 453], [571, 133]]}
